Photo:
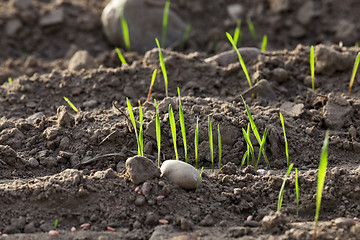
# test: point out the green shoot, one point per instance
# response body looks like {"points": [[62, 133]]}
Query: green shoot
{"points": [[125, 30], [121, 57], [264, 43], [281, 194], [196, 142], [198, 182], [211, 144], [152, 84], [173, 129], [237, 33], [356, 45], [250, 146], [71, 104], [132, 118], [163, 69], [356, 65], [182, 125], [247, 153], [312, 67], [141, 138], [165, 22], [219, 143], [186, 35], [297, 190], [262, 144], [56, 223], [252, 29], [285, 139], [242, 63], [321, 177], [158, 132], [10, 80]]}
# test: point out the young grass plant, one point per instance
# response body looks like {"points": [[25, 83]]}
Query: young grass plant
{"points": [[132, 118], [321, 178], [152, 84], [158, 132], [121, 57], [247, 153], [199, 180], [10, 80], [165, 22], [182, 125], [173, 130], [219, 144], [242, 63], [237, 33], [264, 43], [163, 69], [186, 35], [281, 194], [125, 30], [297, 190], [211, 144], [71, 104], [356, 65], [141, 137], [285, 139], [196, 140], [56, 223], [251, 29], [312, 67]]}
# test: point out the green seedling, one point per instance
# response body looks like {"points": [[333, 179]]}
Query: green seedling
{"points": [[141, 137], [186, 35], [219, 143], [158, 132], [211, 144], [249, 145], [281, 194], [356, 45], [132, 118], [264, 43], [173, 129], [152, 84], [312, 67], [125, 30], [297, 190], [356, 65], [199, 180], [71, 104], [321, 178], [56, 223], [237, 33], [196, 142], [247, 153], [242, 63], [285, 139], [262, 144], [10, 80], [182, 125], [121, 57], [165, 22], [163, 69], [251, 29]]}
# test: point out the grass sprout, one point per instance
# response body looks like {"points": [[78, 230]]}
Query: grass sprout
{"points": [[152, 84], [10, 80], [211, 143], [71, 104], [247, 153], [56, 223], [163, 68], [173, 130], [186, 35], [132, 118], [297, 190], [198, 182], [196, 140], [321, 178], [158, 132], [264, 43], [121, 57], [242, 63], [285, 139], [219, 144], [237, 33], [141, 130], [356, 65], [182, 125], [251, 29], [262, 144], [312, 67], [125, 30], [281, 194], [165, 22], [249, 146]]}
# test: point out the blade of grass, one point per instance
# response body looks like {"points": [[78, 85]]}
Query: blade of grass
{"points": [[186, 35], [356, 65], [219, 144], [56, 223], [125, 30], [252, 29], [121, 57], [158, 132], [141, 138], [71, 104], [211, 144], [312, 67], [10, 80], [132, 118], [165, 22], [152, 84], [196, 141], [163, 69], [281, 194], [247, 153], [251, 148], [285, 139], [264, 43], [237, 33], [242, 63], [262, 144], [182, 125], [199, 180], [297, 190], [173, 130]]}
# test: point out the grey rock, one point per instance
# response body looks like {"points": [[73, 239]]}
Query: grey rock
{"points": [[280, 75], [335, 112], [142, 30], [292, 109], [12, 27], [140, 200], [228, 57], [344, 222], [33, 162], [139, 169], [328, 60], [261, 89], [53, 18], [35, 116], [81, 59]]}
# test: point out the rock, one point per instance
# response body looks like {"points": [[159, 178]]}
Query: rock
{"points": [[274, 222], [81, 59], [335, 112], [225, 58], [346, 223], [261, 89], [33, 162], [139, 169], [292, 109], [308, 82], [12, 27], [142, 30], [53, 18], [280, 75], [346, 32], [35, 116], [306, 13], [140, 200], [235, 11], [278, 6], [180, 173], [229, 168]]}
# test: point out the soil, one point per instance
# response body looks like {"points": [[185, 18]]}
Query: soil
{"points": [[59, 164]]}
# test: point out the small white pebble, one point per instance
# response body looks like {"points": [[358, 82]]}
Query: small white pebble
{"points": [[250, 218], [73, 229], [53, 233]]}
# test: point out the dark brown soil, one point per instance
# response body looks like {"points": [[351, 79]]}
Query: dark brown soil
{"points": [[59, 164]]}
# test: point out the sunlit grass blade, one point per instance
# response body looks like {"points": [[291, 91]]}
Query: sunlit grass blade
{"points": [[356, 65], [182, 125], [211, 143], [242, 63], [297, 190], [248, 142], [121, 57], [196, 142], [165, 22], [152, 84], [198, 182], [262, 144], [158, 132], [71, 104], [141, 138], [132, 118], [251, 29], [125, 30], [264, 43], [219, 144], [56, 223], [10, 80], [321, 177], [281, 194], [285, 139], [173, 130], [247, 153], [186, 35], [237, 33], [312, 67], [163, 69]]}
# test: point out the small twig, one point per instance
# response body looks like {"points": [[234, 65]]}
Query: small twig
{"points": [[107, 137], [120, 154], [2, 162]]}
